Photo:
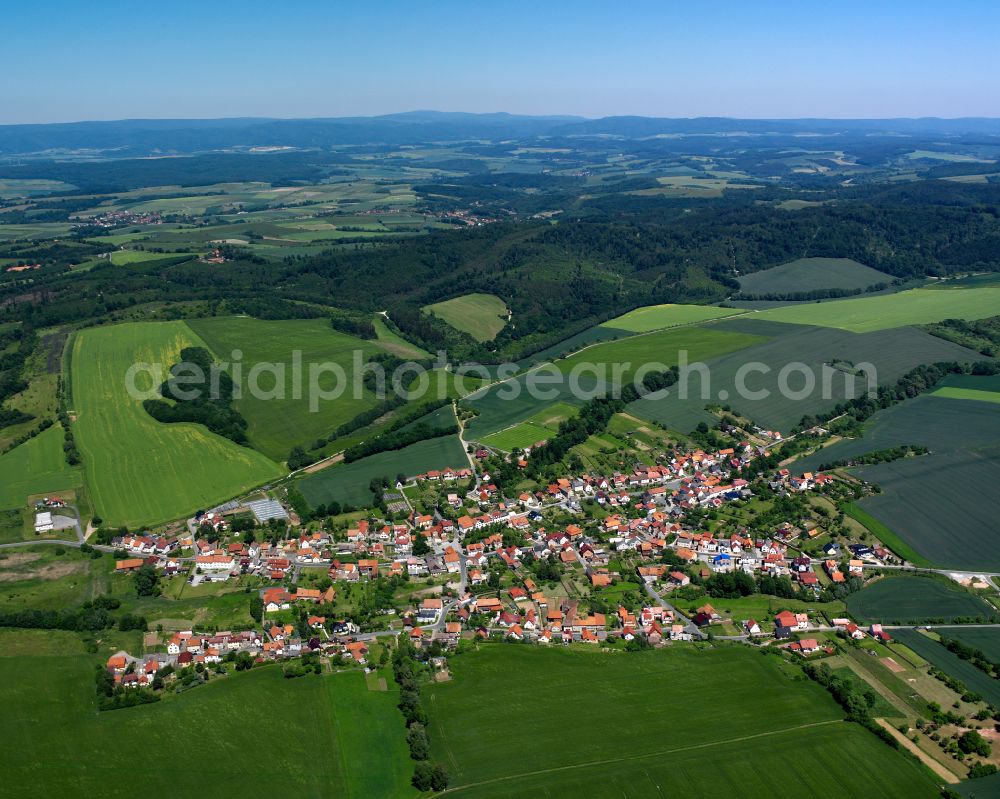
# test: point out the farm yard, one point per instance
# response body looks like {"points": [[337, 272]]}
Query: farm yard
{"points": [[812, 274], [915, 600], [482, 316], [50, 718], [348, 483], [658, 747], [963, 437], [276, 424], [139, 471]]}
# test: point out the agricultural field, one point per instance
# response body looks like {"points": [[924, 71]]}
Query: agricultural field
{"points": [[660, 747], [49, 703], [139, 471], [913, 307], [348, 483], [656, 317], [37, 466], [915, 600], [278, 420], [519, 436], [482, 316], [986, 639], [593, 372], [981, 388], [829, 355], [963, 465], [935, 653], [125, 257], [812, 274]]}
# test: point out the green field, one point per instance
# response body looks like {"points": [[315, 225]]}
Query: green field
{"points": [[963, 466], [482, 316], [348, 483], [912, 307], [395, 343], [655, 317], [812, 274], [275, 425], [825, 352], [975, 680], [985, 639], [37, 466], [140, 471], [318, 736], [914, 600], [594, 371], [122, 257], [597, 724], [519, 436], [981, 388]]}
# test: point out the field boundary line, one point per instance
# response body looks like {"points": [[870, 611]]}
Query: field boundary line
{"points": [[611, 760]]}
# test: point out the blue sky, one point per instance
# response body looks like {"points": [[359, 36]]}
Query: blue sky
{"points": [[73, 60]]}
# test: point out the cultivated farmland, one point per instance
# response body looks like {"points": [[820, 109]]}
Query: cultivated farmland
{"points": [[938, 655], [985, 639], [35, 467], [138, 470], [224, 728], [914, 600], [913, 307], [812, 274], [278, 423], [657, 736], [594, 369], [963, 465], [655, 317], [519, 436], [348, 483], [482, 316], [828, 354]]}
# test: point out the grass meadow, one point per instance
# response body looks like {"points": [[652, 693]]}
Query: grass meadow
{"points": [[138, 470], [250, 734], [482, 316], [596, 723]]}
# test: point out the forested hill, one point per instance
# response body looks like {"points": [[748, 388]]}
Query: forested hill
{"points": [[558, 278]]}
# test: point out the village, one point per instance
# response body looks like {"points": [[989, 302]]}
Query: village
{"points": [[632, 568]]}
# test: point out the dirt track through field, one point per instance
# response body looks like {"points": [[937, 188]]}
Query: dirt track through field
{"points": [[926, 759]]}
